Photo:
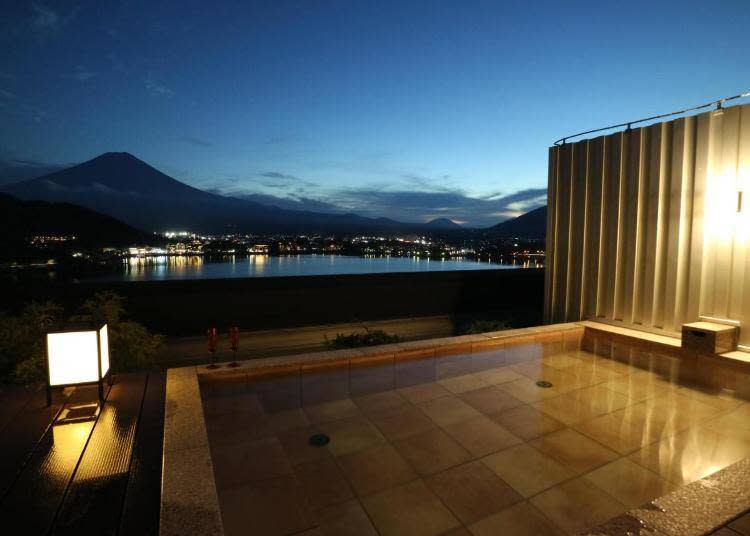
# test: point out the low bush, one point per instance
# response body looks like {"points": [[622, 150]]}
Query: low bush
{"points": [[22, 359], [357, 339]]}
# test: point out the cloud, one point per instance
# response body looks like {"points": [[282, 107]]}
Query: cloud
{"points": [[303, 203], [82, 74], [195, 141], [7, 95], [158, 90], [45, 18], [405, 204], [409, 205], [285, 180], [17, 170]]}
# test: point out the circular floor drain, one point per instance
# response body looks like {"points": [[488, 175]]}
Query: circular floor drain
{"points": [[319, 440], [544, 384]]}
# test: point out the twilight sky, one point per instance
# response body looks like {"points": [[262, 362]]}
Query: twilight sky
{"points": [[406, 109]]}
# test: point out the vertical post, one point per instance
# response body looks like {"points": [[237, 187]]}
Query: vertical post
{"points": [[46, 366], [99, 366]]}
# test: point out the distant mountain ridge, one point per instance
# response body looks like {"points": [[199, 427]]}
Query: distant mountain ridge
{"points": [[443, 223], [531, 225], [22, 220], [126, 188]]}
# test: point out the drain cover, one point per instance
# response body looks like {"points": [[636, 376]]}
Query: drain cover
{"points": [[544, 384], [319, 440]]}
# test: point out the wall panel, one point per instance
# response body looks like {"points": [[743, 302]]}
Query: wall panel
{"points": [[644, 226]]}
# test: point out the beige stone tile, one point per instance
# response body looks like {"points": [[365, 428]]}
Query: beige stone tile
{"points": [[273, 506], [526, 469], [561, 361], [448, 410], [455, 361], [566, 409], [238, 463], [458, 531], [380, 401], [527, 422], [490, 400], [619, 434], [481, 436], [472, 491], [574, 450], [692, 455], [521, 519], [323, 483], [670, 414], [296, 444], [227, 428], [345, 519], [232, 403], [487, 356], [432, 451], [289, 419], [409, 510], [734, 424], [600, 399], [498, 375], [461, 384], [577, 505], [517, 351], [722, 401], [639, 387], [629, 483], [402, 421], [332, 411], [423, 392], [351, 435], [528, 391], [375, 469]]}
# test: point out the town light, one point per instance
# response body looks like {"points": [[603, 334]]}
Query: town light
{"points": [[78, 355]]}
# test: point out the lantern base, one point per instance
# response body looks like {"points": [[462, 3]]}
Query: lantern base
{"points": [[81, 413]]}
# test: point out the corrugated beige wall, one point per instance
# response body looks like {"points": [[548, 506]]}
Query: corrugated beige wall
{"points": [[643, 225]]}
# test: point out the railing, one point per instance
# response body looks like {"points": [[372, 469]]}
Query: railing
{"points": [[718, 103]]}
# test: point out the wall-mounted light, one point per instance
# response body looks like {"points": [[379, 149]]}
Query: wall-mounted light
{"points": [[78, 355]]}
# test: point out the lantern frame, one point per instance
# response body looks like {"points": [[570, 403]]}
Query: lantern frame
{"points": [[101, 332]]}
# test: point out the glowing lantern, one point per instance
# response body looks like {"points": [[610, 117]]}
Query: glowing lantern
{"points": [[77, 356]]}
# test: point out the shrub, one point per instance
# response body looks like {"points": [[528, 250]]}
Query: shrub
{"points": [[22, 358], [484, 326], [357, 340]]}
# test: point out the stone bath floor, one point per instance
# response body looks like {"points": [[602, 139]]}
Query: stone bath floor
{"points": [[463, 444]]}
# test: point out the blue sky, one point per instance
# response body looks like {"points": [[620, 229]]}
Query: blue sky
{"points": [[411, 110]]}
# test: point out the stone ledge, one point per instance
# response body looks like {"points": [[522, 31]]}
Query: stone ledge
{"points": [[189, 501], [693, 510]]}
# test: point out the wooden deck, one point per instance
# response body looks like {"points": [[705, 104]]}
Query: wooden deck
{"points": [[91, 477]]}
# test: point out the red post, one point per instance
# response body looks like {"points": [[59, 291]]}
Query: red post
{"points": [[211, 340], [234, 343]]}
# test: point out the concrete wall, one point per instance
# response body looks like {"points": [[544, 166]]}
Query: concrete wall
{"points": [[644, 228], [189, 307]]}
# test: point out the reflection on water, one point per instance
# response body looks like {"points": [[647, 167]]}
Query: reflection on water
{"points": [[196, 267]]}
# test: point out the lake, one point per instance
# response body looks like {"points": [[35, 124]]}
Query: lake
{"points": [[196, 267]]}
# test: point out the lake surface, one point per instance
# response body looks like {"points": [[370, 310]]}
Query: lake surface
{"points": [[165, 268]]}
